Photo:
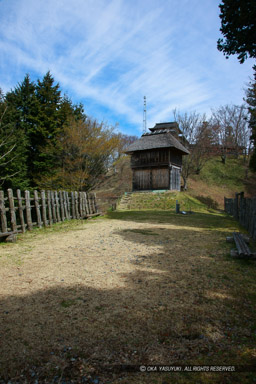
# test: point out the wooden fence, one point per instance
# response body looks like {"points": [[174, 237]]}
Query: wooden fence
{"points": [[244, 210], [20, 213]]}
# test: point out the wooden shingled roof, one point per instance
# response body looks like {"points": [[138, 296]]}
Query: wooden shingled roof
{"points": [[157, 138], [172, 126]]}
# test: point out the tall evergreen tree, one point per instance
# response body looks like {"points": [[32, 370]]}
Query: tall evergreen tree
{"points": [[68, 110], [42, 135], [35, 116], [7, 144], [21, 115]]}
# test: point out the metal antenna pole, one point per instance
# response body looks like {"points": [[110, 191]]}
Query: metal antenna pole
{"points": [[145, 116]]}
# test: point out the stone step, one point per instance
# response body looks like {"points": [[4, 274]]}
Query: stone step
{"points": [[125, 200]]}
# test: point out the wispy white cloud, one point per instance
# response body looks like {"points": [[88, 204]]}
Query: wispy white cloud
{"points": [[110, 53]]}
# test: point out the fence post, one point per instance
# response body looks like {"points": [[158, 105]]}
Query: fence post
{"points": [[49, 204], [68, 205], [84, 206], [241, 209], [44, 208], [90, 203], [73, 206], [80, 205], [250, 218], [248, 213], [76, 205], [53, 207], [236, 214], [86, 203], [65, 204], [28, 210], [95, 203], [3, 213], [22, 221], [91, 199], [38, 213], [57, 205], [12, 210], [61, 206]]}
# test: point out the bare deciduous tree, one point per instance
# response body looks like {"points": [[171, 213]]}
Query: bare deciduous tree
{"points": [[196, 135], [231, 124]]}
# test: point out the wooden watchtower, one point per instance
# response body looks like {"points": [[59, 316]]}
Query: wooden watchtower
{"points": [[156, 158]]}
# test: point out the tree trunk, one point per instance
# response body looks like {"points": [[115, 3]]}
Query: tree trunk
{"points": [[185, 186]]}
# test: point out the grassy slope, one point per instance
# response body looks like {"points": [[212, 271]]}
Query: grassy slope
{"points": [[218, 180], [167, 201]]}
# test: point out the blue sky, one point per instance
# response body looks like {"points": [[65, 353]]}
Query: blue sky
{"points": [[108, 54]]}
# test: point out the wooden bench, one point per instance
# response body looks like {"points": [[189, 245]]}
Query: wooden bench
{"points": [[242, 250]]}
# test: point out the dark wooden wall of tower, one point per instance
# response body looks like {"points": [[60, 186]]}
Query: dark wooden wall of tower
{"points": [[156, 169]]}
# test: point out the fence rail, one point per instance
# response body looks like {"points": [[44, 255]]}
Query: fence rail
{"points": [[36, 209], [244, 210]]}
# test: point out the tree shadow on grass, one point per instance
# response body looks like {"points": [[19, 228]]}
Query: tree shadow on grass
{"points": [[177, 306]]}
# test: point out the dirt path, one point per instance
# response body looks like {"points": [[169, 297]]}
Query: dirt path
{"points": [[114, 292]]}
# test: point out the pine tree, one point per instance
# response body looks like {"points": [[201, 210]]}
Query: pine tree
{"points": [[20, 115], [7, 144], [69, 111], [34, 119], [42, 135]]}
